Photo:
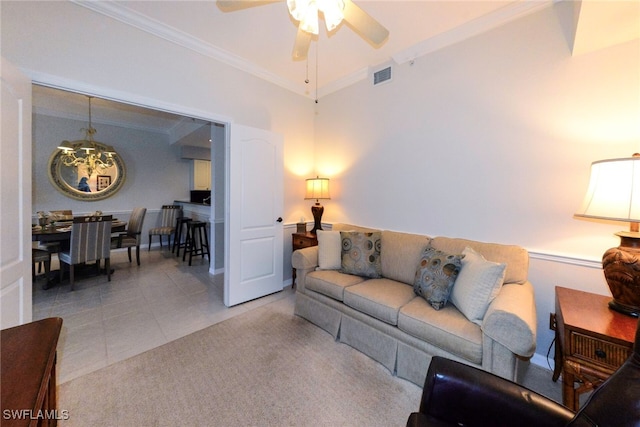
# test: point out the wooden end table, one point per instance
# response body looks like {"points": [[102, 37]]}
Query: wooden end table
{"points": [[28, 359], [302, 240], [592, 341]]}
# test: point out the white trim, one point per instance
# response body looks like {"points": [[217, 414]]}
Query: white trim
{"points": [[542, 361], [83, 117], [171, 34], [344, 82], [470, 29], [566, 259], [124, 97]]}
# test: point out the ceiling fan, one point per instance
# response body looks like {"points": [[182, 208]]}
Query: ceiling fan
{"points": [[306, 12]]}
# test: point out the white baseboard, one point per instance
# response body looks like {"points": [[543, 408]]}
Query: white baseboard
{"points": [[542, 361]]}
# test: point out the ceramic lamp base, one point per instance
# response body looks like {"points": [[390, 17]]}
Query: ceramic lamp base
{"points": [[317, 210], [621, 267]]}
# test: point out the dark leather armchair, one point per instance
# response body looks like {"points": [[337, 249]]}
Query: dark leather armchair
{"points": [[455, 394]]}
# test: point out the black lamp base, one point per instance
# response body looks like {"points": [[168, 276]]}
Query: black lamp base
{"points": [[317, 210]]}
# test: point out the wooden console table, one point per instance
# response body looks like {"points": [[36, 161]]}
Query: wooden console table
{"points": [[592, 341], [28, 374]]}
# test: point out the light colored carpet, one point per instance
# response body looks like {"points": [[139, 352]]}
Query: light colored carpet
{"points": [[266, 367]]}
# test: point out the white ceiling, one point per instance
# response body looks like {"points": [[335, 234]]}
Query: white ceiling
{"points": [[259, 40]]}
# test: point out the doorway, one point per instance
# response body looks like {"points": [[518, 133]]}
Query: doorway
{"points": [[158, 145]]}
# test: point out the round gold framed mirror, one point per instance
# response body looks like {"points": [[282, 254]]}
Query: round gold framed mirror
{"points": [[86, 180]]}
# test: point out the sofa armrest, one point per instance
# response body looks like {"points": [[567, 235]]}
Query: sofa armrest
{"points": [[305, 261], [305, 258], [511, 319], [457, 394]]}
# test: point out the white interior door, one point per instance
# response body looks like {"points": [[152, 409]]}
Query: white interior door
{"points": [[254, 251], [15, 197]]}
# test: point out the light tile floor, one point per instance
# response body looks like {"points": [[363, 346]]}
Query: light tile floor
{"points": [[141, 308]]}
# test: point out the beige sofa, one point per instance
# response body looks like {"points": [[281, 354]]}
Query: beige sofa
{"points": [[384, 319]]}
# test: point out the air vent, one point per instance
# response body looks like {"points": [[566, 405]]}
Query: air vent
{"points": [[381, 75]]}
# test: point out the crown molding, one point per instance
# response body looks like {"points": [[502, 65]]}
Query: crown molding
{"points": [[173, 35], [470, 29], [344, 82], [440, 41]]}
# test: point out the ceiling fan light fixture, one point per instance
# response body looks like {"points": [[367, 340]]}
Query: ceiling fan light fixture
{"points": [[297, 8], [332, 10], [306, 12], [309, 22]]}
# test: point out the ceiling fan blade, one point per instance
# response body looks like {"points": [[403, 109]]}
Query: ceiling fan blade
{"points": [[301, 46], [364, 24], [233, 5]]}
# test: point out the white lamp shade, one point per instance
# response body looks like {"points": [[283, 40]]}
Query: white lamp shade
{"points": [[317, 188], [614, 191]]}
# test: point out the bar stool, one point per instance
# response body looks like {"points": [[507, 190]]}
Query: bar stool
{"points": [[177, 238], [197, 241]]}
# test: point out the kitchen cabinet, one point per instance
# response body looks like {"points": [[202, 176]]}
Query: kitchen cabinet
{"points": [[201, 175]]}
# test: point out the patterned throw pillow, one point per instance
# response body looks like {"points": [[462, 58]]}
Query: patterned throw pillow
{"points": [[435, 276], [361, 254]]}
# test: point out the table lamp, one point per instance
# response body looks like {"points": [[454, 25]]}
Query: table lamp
{"points": [[614, 194], [317, 188]]}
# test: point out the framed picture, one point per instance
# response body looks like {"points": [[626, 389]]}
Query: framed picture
{"points": [[103, 181]]}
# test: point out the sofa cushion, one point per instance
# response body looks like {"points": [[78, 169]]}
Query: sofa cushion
{"points": [[435, 276], [379, 298], [329, 250], [516, 257], [331, 282], [478, 284], [361, 253], [447, 329], [399, 255]]}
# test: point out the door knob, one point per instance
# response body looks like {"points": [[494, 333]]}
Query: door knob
{"points": [[279, 219]]}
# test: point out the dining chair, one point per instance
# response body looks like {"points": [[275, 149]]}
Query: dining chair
{"points": [[90, 241], [41, 256], [168, 215], [59, 215], [132, 236]]}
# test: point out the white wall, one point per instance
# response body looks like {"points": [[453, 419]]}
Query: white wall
{"points": [[68, 45], [490, 139], [155, 172]]}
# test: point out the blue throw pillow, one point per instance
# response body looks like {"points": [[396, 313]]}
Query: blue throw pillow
{"points": [[436, 273]]}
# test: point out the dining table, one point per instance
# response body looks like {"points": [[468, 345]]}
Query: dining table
{"points": [[60, 232]]}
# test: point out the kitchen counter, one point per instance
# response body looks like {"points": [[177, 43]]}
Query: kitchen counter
{"points": [[190, 203], [197, 211]]}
